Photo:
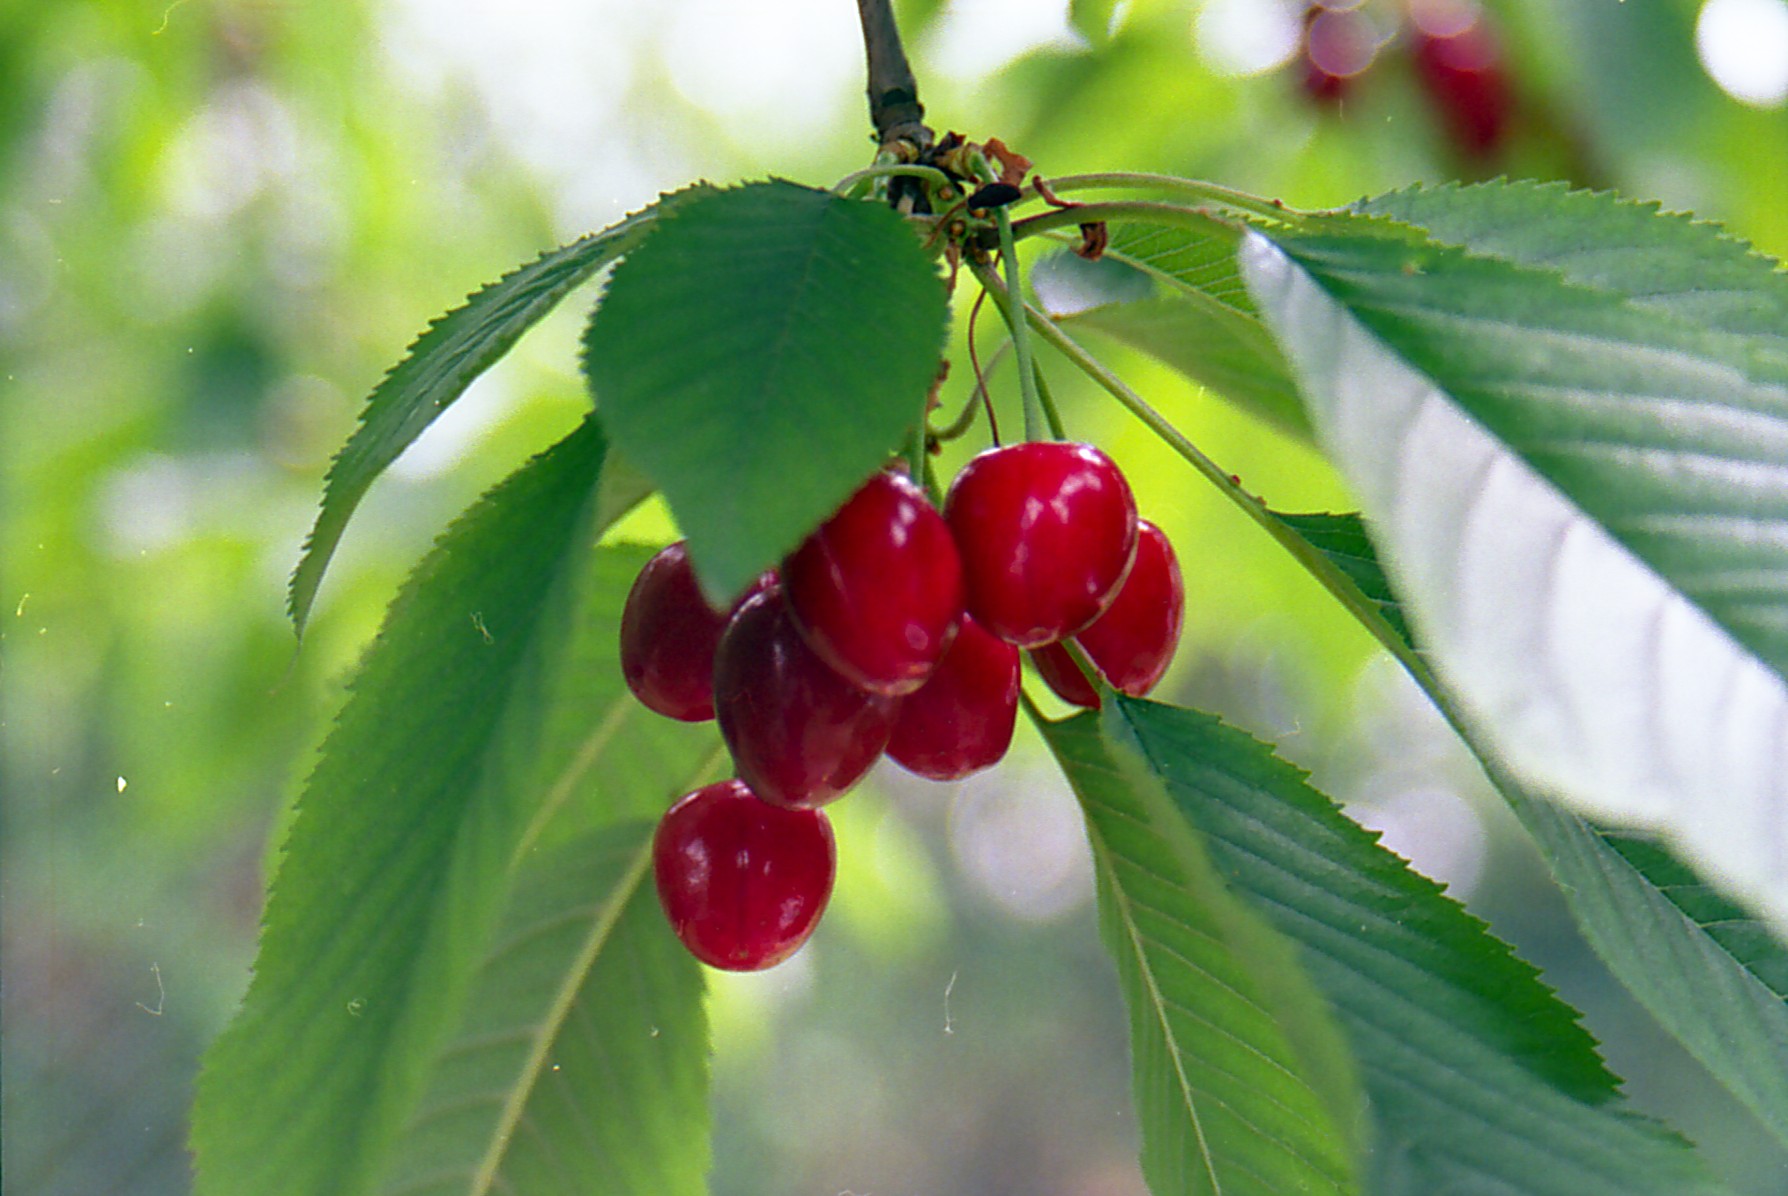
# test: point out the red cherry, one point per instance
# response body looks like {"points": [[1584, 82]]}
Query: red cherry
{"points": [[1046, 531], [961, 720], [742, 882], [800, 733], [1132, 643], [668, 635], [1460, 65], [878, 588], [1339, 46]]}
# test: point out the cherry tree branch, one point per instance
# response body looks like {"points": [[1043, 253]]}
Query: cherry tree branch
{"points": [[893, 93]]}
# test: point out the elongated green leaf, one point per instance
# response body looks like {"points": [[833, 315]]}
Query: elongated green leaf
{"points": [[1713, 977], [1342, 540], [437, 369], [1199, 320], [1584, 506], [1719, 1004], [759, 357], [1241, 1083], [581, 1061], [1479, 1078], [445, 760], [1671, 264]]}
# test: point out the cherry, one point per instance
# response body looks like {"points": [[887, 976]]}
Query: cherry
{"points": [[800, 733], [1132, 643], [960, 721], [1459, 62], [1046, 531], [878, 588], [1339, 46], [668, 635], [742, 882]]}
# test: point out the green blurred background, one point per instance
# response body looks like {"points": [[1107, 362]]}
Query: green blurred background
{"points": [[221, 221]]}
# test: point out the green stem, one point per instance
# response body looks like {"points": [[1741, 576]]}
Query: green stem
{"points": [[889, 170], [1049, 409], [1301, 550], [1034, 422], [1207, 193]]}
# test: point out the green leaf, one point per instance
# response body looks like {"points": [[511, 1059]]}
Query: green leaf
{"points": [[1343, 541], [759, 356], [1584, 506], [1092, 19], [1479, 1078], [439, 366], [473, 729], [1241, 1082], [586, 1006], [1668, 263], [1714, 978], [1711, 975], [1199, 320]]}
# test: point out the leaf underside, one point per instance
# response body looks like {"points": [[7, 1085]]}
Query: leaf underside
{"points": [[1584, 506]]}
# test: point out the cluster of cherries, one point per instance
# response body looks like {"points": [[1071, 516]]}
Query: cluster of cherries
{"points": [[1456, 57], [892, 628]]}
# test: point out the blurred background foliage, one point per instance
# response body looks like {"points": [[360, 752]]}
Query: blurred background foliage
{"points": [[220, 220]]}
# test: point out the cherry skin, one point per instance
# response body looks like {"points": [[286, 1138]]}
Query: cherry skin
{"points": [[877, 589], [1046, 531], [1460, 65], [1132, 643], [800, 733], [742, 882], [668, 636], [960, 721], [1338, 48]]}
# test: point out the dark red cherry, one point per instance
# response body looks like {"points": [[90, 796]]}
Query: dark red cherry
{"points": [[742, 882], [800, 733], [1046, 531], [960, 721], [878, 588], [1460, 65], [668, 635], [1132, 643]]}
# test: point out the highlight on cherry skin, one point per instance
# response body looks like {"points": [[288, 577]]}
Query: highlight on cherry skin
{"points": [[1047, 531], [961, 720], [799, 732], [1133, 642], [877, 589], [743, 883]]}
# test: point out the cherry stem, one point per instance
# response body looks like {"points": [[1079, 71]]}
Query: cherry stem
{"points": [[1034, 422], [1053, 416]]}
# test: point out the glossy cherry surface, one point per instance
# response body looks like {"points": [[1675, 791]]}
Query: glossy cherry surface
{"points": [[1046, 531], [668, 636], [800, 733], [1132, 643], [742, 882], [960, 721], [877, 589]]}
